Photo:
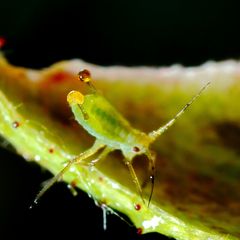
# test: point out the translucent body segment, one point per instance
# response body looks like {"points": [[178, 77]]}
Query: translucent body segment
{"points": [[108, 125]]}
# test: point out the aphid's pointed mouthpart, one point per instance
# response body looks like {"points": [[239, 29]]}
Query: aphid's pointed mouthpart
{"points": [[154, 134], [75, 97]]}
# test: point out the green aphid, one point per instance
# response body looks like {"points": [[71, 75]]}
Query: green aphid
{"points": [[112, 132]]}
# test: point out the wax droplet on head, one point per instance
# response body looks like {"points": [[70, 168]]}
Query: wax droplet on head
{"points": [[15, 124], [84, 76], [137, 206]]}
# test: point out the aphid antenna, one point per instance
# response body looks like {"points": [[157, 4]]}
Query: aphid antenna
{"points": [[156, 133]]}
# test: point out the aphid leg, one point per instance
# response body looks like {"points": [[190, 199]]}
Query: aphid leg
{"points": [[151, 157], [96, 146], [134, 178], [101, 156], [92, 163], [161, 130]]}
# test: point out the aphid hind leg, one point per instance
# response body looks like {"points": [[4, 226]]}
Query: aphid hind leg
{"points": [[96, 146], [151, 157], [134, 178]]}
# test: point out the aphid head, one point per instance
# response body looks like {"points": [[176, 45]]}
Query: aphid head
{"points": [[75, 97]]}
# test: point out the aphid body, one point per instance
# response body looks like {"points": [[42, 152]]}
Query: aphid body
{"points": [[108, 125], [112, 131]]}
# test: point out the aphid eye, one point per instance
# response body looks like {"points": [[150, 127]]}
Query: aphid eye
{"points": [[136, 149], [84, 76]]}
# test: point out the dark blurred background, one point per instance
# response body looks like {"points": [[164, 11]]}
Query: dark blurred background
{"points": [[134, 32]]}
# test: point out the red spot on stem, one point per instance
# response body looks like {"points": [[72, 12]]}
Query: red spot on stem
{"points": [[51, 150], [2, 42], [73, 183], [139, 231], [137, 206], [15, 124], [100, 179]]}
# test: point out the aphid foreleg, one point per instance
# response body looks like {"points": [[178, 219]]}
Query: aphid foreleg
{"points": [[96, 146], [134, 177], [161, 130], [101, 156]]}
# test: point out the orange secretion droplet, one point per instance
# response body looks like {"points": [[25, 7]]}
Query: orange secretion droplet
{"points": [[2, 42], [84, 76], [137, 206], [15, 124], [139, 231]]}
